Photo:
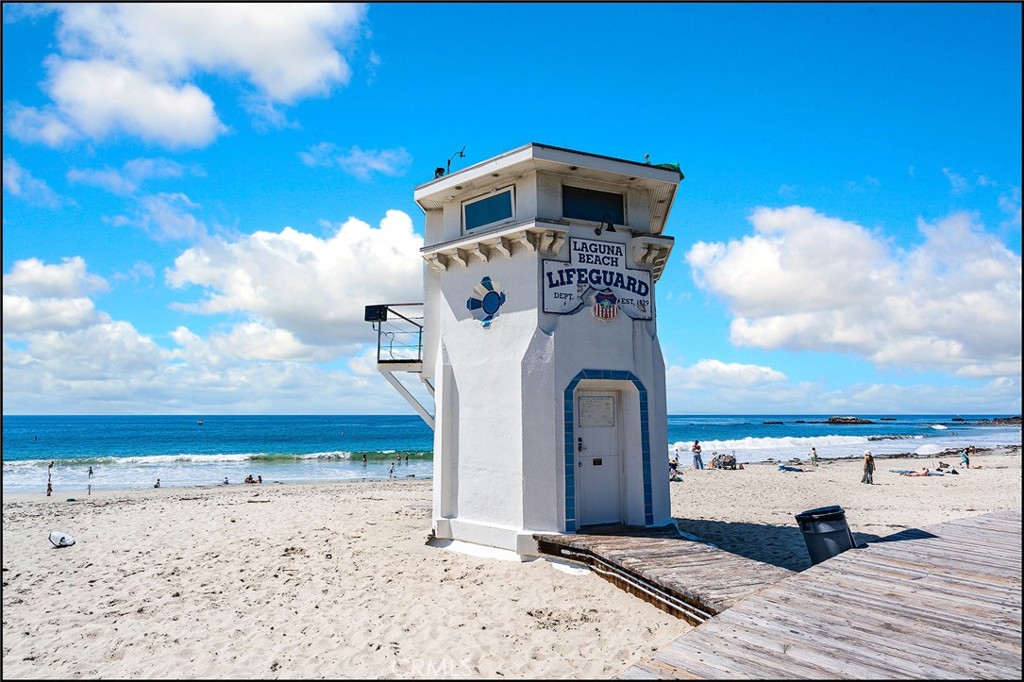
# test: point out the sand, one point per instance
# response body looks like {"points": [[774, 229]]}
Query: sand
{"points": [[336, 580]]}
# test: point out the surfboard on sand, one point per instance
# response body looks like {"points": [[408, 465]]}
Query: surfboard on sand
{"points": [[60, 539]]}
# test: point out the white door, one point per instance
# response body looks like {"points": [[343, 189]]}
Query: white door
{"points": [[597, 458]]}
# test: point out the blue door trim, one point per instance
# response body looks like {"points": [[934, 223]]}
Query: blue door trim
{"points": [[569, 407]]}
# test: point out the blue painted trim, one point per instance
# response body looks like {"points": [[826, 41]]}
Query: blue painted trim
{"points": [[569, 404]]}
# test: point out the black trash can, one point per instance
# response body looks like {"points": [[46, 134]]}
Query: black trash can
{"points": [[825, 532]]}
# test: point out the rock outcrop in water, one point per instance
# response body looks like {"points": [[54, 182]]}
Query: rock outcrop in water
{"points": [[1007, 421], [849, 420]]}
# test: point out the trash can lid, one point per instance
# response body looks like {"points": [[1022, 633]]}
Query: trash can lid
{"points": [[820, 512]]}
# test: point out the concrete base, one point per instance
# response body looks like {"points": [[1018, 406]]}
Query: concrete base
{"points": [[515, 540]]}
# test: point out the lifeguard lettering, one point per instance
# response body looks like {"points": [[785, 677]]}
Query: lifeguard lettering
{"points": [[600, 279]]}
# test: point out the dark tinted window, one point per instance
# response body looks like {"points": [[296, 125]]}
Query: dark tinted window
{"points": [[590, 204], [490, 210]]}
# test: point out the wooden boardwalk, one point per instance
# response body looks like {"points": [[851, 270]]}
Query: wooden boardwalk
{"points": [[938, 603], [689, 579]]}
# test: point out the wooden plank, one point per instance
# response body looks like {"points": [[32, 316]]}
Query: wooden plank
{"points": [[759, 658], [980, 660], [833, 655], [896, 564], [985, 624], [702, 658], [839, 631], [992, 565], [984, 589], [910, 597], [653, 669], [970, 544], [940, 628]]}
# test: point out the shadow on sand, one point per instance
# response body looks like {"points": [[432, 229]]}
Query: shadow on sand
{"points": [[782, 546]]}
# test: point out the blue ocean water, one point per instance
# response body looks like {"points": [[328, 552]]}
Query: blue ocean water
{"points": [[133, 451]]}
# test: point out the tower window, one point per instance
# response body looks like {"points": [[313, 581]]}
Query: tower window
{"points": [[489, 210], [591, 204]]}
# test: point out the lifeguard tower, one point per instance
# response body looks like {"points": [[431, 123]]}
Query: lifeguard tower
{"points": [[538, 341]]}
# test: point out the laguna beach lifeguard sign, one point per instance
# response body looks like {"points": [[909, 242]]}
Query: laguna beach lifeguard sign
{"points": [[597, 269], [540, 345]]}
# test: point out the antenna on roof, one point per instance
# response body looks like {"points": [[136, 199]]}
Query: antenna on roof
{"points": [[461, 154]]}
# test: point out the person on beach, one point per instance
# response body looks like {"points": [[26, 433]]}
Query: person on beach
{"points": [[698, 463], [225, 480], [364, 459], [814, 457], [923, 472], [673, 470], [869, 468], [157, 484], [965, 459], [259, 478], [391, 470], [90, 472], [407, 458]]}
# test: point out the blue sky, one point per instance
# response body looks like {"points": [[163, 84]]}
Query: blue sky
{"points": [[200, 199]]}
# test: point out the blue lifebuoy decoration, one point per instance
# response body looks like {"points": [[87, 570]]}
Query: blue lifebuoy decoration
{"points": [[486, 301]]}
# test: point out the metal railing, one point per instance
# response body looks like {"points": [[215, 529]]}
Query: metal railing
{"points": [[399, 332]]}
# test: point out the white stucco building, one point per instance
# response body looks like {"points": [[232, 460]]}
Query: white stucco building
{"points": [[540, 343]]}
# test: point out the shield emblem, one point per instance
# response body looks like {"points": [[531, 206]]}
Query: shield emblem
{"points": [[606, 305]]}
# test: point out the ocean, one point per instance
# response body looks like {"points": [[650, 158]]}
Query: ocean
{"points": [[128, 452]]}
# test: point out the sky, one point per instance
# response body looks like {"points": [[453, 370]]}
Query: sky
{"points": [[200, 199]]}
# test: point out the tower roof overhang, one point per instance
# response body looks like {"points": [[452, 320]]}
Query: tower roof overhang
{"points": [[660, 182]]}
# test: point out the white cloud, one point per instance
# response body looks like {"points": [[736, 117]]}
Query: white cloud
{"points": [[71, 278], [1009, 203], [358, 162], [20, 183], [101, 97], [127, 180], [127, 68], [286, 50], [23, 314], [258, 341], [716, 372], [166, 217], [959, 185], [805, 281], [312, 287], [29, 124], [266, 115], [38, 297], [138, 272], [63, 356], [714, 387]]}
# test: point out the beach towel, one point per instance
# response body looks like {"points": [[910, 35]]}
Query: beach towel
{"points": [[907, 472]]}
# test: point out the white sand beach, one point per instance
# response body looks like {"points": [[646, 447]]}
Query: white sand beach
{"points": [[336, 580]]}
